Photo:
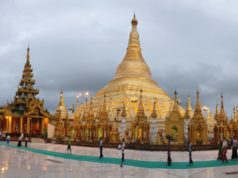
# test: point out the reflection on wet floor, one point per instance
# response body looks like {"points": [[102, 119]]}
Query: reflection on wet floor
{"points": [[16, 163], [54, 161]]}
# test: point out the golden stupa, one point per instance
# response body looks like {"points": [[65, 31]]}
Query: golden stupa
{"points": [[132, 75]]}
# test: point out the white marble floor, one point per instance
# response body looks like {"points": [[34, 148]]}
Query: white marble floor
{"points": [[16, 163], [133, 154]]}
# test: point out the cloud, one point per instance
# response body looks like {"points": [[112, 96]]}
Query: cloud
{"points": [[77, 45]]}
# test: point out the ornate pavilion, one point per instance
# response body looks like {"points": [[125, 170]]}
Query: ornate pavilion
{"points": [[26, 113]]}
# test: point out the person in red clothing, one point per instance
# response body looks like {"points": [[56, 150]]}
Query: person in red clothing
{"points": [[224, 151]]}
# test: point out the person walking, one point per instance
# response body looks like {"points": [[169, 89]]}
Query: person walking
{"points": [[123, 145], [8, 139], [26, 141], [19, 141], [219, 150], [234, 148], [190, 152], [69, 143], [101, 147], [224, 151], [169, 159]]}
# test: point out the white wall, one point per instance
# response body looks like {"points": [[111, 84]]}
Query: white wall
{"points": [[51, 130]]}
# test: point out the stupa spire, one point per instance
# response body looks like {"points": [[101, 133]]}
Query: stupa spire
{"points": [[154, 113], [222, 109], [175, 107], [61, 109], [216, 116], [28, 55], [103, 115], [61, 100], [133, 57], [222, 101], [234, 114], [188, 112], [90, 111], [141, 112], [77, 102], [198, 108], [198, 104], [216, 108], [134, 50]]}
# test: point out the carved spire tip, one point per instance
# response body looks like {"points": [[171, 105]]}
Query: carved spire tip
{"points": [[134, 20]]}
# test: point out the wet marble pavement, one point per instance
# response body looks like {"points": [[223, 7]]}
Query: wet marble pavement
{"points": [[15, 163]]}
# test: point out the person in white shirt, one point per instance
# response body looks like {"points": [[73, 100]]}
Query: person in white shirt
{"points": [[101, 147], [8, 139]]}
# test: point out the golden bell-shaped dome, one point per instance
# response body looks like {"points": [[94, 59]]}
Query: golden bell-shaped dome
{"points": [[133, 75]]}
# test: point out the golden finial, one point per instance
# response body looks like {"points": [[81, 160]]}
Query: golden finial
{"points": [[198, 107], [198, 94], [28, 54], [175, 95], [61, 101], [175, 100], [188, 112], [77, 101], [134, 20], [216, 108], [222, 101]]}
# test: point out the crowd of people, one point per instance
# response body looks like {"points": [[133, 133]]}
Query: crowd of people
{"points": [[121, 147], [222, 151], [222, 148], [21, 138]]}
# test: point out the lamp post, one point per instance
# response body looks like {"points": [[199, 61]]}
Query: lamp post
{"points": [[77, 101], [84, 96]]}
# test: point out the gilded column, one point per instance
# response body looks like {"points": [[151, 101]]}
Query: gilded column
{"points": [[21, 125], [7, 125], [10, 124], [42, 125], [28, 125]]}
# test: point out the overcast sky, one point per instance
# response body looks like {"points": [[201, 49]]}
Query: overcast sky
{"points": [[77, 45]]}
